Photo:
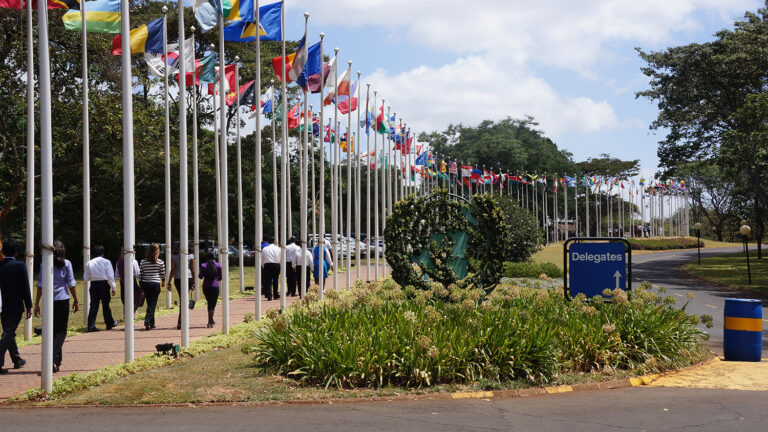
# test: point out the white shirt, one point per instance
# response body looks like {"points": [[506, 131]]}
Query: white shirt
{"points": [[291, 252], [177, 267], [99, 269], [308, 260], [270, 254], [136, 271]]}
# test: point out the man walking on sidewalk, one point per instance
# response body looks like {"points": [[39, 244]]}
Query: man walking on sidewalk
{"points": [[270, 261], [16, 301], [99, 273]]}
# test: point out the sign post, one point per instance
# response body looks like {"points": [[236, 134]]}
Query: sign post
{"points": [[592, 264]]}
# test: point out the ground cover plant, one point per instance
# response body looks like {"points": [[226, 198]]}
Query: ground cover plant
{"points": [[379, 334], [731, 270], [663, 243]]}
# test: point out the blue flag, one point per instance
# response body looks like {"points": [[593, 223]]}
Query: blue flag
{"points": [[245, 30], [422, 159], [311, 67]]}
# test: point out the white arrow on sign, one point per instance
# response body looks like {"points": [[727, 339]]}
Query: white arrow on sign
{"points": [[617, 275]]}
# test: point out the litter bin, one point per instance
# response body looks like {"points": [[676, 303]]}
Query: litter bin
{"points": [[743, 330]]}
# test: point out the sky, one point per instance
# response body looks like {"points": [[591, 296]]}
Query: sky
{"points": [[572, 65]]}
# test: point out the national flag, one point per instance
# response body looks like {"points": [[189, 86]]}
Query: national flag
{"points": [[294, 63], [476, 174], [341, 88], [443, 166], [52, 4], [146, 38], [204, 71], [245, 30], [311, 69], [329, 71], [247, 95], [229, 79], [207, 12], [329, 134], [343, 144], [156, 65], [343, 101], [265, 103], [101, 16], [494, 177], [381, 126], [466, 171], [293, 117], [421, 159], [370, 119], [11, 4], [303, 120]]}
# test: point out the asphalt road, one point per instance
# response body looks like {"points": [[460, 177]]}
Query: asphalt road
{"points": [[632, 408], [662, 269]]}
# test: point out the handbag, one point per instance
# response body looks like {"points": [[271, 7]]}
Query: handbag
{"points": [[191, 304]]}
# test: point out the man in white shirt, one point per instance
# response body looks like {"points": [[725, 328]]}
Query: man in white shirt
{"points": [[270, 263], [291, 252], [100, 274], [297, 263]]}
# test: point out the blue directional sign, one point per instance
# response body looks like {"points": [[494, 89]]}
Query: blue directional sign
{"points": [[593, 267]]}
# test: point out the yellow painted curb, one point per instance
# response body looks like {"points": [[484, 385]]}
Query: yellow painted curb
{"points": [[558, 389], [471, 395], [643, 380]]}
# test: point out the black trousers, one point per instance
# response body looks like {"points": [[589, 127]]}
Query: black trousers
{"points": [[211, 296], [10, 322], [152, 292], [308, 276], [60, 323], [100, 295], [190, 289], [270, 279], [292, 279], [135, 289]]}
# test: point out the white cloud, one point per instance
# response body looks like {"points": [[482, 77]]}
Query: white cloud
{"points": [[499, 44]]}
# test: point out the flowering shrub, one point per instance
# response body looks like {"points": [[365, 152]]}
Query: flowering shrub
{"points": [[380, 334], [663, 243]]}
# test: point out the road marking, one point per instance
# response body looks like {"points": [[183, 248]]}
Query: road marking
{"points": [[679, 295], [558, 389], [708, 305], [475, 395]]}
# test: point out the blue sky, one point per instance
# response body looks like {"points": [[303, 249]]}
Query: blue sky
{"points": [[571, 65]]}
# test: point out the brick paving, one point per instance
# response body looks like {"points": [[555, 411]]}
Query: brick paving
{"points": [[91, 351]]}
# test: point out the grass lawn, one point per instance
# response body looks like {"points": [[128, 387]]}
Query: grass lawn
{"points": [[554, 252], [731, 270]]}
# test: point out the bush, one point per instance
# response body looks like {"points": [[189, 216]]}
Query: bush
{"points": [[531, 270], [663, 243], [373, 336], [525, 236]]}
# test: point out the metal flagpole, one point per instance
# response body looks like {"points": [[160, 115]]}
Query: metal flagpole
{"points": [[224, 235], [320, 280], [168, 294], [565, 209], [216, 157], [388, 166], [129, 212], [275, 195], [195, 176], [368, 181], [375, 188], [240, 257], [303, 195], [183, 184], [46, 197], [586, 206], [334, 179], [259, 219], [86, 168], [576, 206], [30, 246], [384, 191], [358, 243], [349, 183], [312, 176]]}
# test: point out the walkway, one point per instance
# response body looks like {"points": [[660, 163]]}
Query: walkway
{"points": [[92, 351]]}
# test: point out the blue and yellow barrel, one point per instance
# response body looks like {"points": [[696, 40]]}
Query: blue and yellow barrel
{"points": [[743, 330]]}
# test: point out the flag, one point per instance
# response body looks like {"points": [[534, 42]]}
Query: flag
{"points": [[244, 30], [156, 65], [312, 68], [421, 159], [247, 95], [303, 120], [466, 171], [476, 174], [229, 79], [343, 102], [146, 38], [207, 71], [443, 166], [101, 16], [293, 117], [329, 134], [330, 75], [294, 63], [201, 66], [10, 4], [341, 89], [381, 126], [207, 12], [343, 144], [52, 4], [370, 118], [329, 70]]}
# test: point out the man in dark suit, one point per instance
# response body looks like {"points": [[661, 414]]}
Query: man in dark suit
{"points": [[17, 300]]}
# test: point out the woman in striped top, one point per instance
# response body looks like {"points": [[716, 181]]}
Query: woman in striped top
{"points": [[152, 276]]}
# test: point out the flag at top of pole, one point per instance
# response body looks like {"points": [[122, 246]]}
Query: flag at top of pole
{"points": [[245, 30]]}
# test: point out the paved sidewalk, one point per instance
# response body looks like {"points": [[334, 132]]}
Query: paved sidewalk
{"points": [[92, 351]]}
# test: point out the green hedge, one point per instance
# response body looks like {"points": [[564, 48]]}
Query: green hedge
{"points": [[373, 336], [531, 270], [663, 243]]}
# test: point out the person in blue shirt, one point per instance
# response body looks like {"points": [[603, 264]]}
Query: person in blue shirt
{"points": [[16, 301], [63, 280]]}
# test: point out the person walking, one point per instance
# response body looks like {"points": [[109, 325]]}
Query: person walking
{"points": [[298, 263], [176, 270], [270, 262], [63, 280], [326, 262], [99, 273], [138, 294], [16, 301], [291, 253], [210, 273], [152, 277]]}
